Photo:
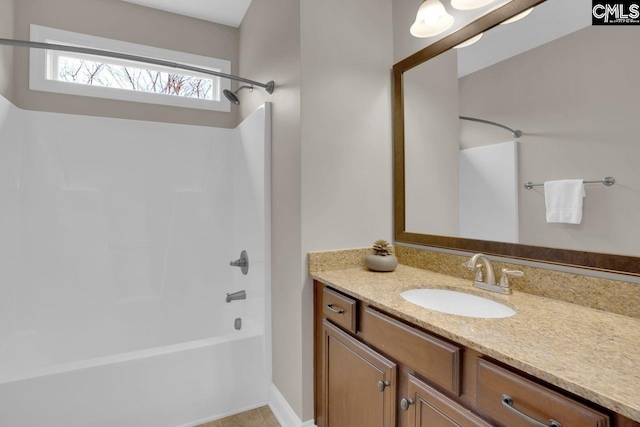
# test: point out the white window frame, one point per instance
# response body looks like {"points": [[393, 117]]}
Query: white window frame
{"points": [[43, 63]]}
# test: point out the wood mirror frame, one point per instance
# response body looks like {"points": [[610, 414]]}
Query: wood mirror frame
{"points": [[621, 264]]}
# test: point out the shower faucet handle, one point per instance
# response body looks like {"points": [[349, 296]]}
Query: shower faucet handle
{"points": [[242, 262], [238, 263]]}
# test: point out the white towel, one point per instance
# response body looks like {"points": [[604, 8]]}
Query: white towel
{"points": [[564, 200]]}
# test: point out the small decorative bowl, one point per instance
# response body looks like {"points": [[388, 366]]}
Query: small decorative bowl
{"points": [[381, 263]]}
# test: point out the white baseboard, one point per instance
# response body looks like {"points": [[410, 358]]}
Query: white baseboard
{"points": [[282, 410]]}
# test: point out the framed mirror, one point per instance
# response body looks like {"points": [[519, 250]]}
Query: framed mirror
{"points": [[549, 97]]}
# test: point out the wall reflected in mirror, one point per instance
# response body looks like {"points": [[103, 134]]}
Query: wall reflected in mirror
{"points": [[572, 90]]}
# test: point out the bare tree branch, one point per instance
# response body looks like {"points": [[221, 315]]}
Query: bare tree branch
{"points": [[130, 77]]}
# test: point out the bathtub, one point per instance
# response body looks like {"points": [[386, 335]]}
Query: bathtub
{"points": [[172, 385], [114, 269]]}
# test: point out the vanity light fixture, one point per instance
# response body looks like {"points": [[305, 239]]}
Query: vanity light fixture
{"points": [[517, 17], [432, 19], [469, 4], [469, 42]]}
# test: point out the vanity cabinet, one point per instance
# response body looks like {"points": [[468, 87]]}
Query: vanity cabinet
{"points": [[433, 358], [340, 309], [427, 407], [373, 369], [515, 401], [359, 384]]}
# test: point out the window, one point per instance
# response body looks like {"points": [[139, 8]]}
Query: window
{"points": [[96, 72], [89, 75]]}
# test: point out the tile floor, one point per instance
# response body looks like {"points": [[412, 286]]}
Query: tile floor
{"points": [[261, 417]]}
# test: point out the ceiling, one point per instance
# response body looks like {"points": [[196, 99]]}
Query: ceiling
{"points": [[227, 12]]}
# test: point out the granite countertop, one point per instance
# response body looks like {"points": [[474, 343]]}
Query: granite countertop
{"points": [[591, 353]]}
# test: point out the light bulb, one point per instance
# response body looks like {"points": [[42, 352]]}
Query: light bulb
{"points": [[432, 19], [517, 17], [469, 4], [469, 42]]}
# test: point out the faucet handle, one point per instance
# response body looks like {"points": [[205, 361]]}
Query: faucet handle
{"points": [[478, 269], [504, 280], [471, 267], [242, 262]]}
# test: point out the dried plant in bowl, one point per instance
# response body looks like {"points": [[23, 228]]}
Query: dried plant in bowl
{"points": [[382, 258], [382, 248]]}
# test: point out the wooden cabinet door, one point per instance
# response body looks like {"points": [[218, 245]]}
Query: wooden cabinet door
{"points": [[429, 408], [359, 384]]}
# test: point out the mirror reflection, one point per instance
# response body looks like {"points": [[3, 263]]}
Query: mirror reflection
{"points": [[571, 89]]}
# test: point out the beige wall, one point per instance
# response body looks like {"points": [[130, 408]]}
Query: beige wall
{"points": [[331, 155], [270, 50], [576, 100], [128, 22], [347, 54], [6, 53], [432, 153]]}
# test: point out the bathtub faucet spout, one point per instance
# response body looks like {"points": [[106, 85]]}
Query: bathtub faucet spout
{"points": [[236, 296]]}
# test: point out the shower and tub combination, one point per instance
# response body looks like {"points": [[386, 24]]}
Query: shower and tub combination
{"points": [[118, 303]]}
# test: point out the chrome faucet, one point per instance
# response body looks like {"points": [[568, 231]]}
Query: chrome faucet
{"points": [[242, 262], [238, 263], [472, 265], [487, 281], [236, 296]]}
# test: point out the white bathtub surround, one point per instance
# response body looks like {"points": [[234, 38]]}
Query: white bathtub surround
{"points": [[489, 188], [282, 410], [117, 238]]}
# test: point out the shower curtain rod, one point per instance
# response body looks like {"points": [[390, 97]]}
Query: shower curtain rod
{"points": [[514, 133], [109, 54]]}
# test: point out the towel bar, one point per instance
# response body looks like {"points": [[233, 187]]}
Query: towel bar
{"points": [[608, 181]]}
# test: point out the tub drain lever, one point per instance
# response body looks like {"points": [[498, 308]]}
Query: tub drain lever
{"points": [[243, 262]]}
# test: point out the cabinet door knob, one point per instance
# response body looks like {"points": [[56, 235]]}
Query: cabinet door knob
{"points": [[507, 402], [405, 403], [383, 384]]}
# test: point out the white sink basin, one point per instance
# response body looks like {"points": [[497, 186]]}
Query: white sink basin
{"points": [[459, 303]]}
